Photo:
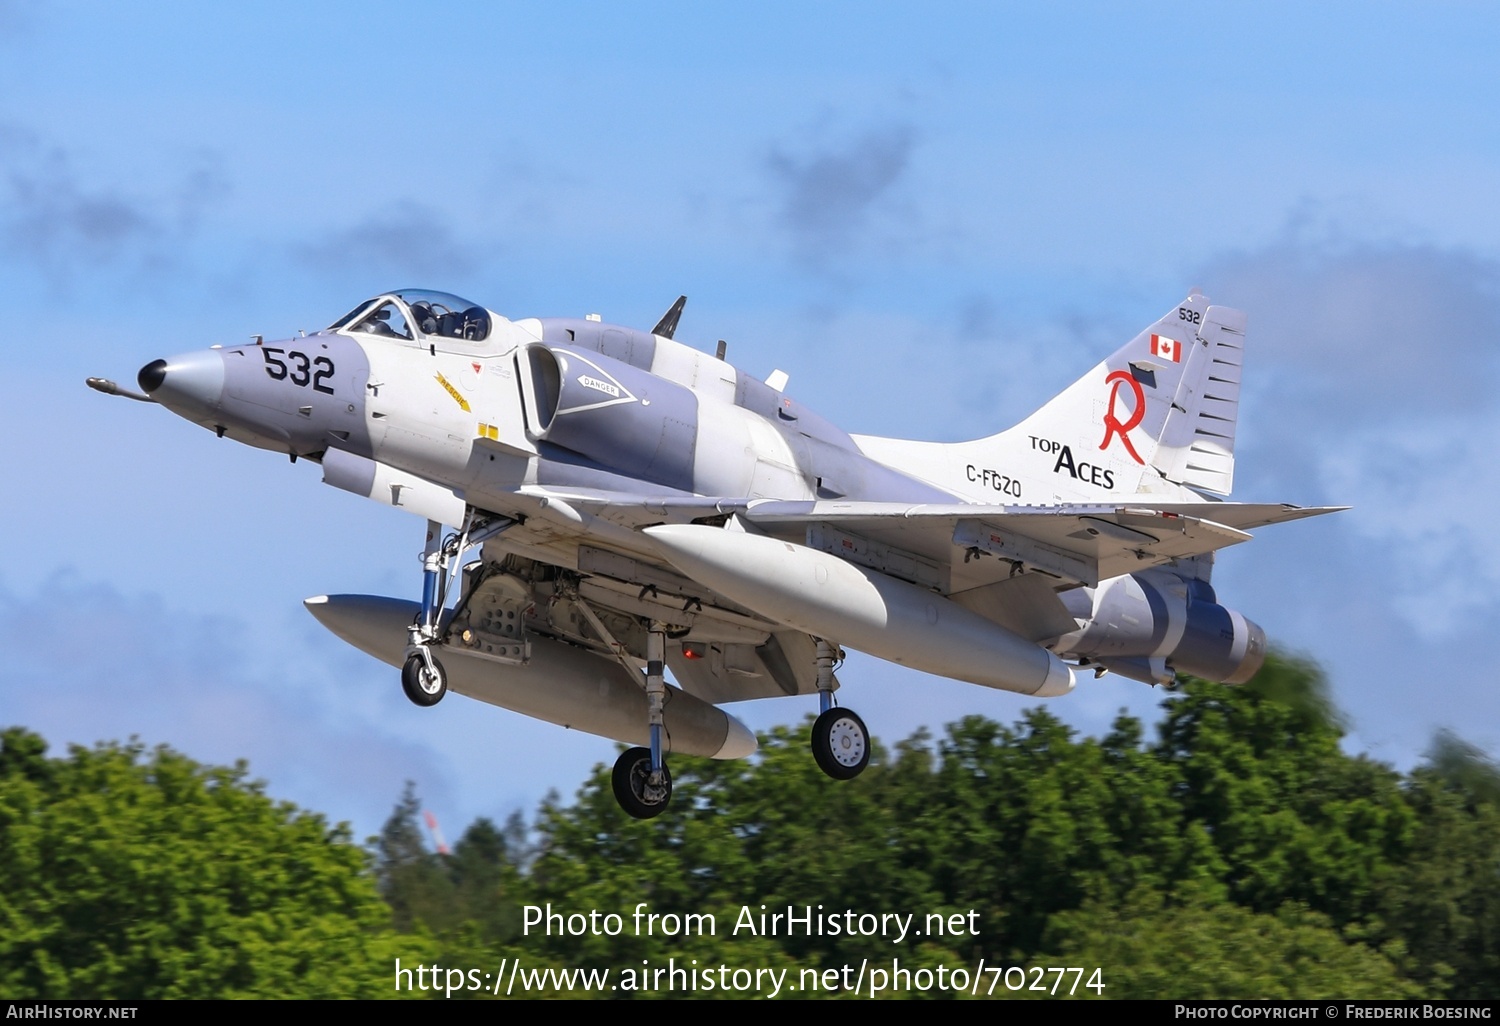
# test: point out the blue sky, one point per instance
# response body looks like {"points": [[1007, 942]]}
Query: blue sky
{"points": [[931, 218]]}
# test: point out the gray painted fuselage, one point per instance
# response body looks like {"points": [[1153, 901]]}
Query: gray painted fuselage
{"points": [[589, 437], [560, 403]]}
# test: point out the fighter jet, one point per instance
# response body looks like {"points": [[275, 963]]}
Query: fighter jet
{"points": [[602, 505]]}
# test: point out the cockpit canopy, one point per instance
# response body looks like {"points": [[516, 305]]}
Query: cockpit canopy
{"points": [[417, 313]]}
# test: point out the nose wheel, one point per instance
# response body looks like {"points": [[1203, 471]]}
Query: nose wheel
{"points": [[840, 744], [423, 679], [641, 792]]}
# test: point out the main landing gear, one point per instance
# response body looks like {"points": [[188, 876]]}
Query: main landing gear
{"points": [[642, 783], [840, 741], [422, 677]]}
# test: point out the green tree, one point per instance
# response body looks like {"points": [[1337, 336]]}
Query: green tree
{"points": [[411, 878], [768, 831], [486, 879], [1290, 816], [469, 893], [1443, 902], [1148, 949], [134, 874], [1026, 821]]}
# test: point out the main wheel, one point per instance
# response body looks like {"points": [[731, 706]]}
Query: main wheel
{"points": [[633, 788], [423, 686], [841, 744]]}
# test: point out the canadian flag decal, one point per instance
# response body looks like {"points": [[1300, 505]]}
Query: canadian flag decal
{"points": [[1166, 347]]}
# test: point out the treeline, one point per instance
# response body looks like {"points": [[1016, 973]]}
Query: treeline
{"points": [[1239, 853]]}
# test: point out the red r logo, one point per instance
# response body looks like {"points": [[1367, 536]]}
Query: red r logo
{"points": [[1112, 424]]}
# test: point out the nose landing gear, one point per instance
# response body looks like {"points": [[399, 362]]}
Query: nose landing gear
{"points": [[422, 677]]}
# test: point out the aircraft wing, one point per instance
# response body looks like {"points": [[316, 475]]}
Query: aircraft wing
{"points": [[1006, 563], [947, 546]]}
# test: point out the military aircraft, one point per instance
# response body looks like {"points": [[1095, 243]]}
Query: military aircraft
{"points": [[635, 505]]}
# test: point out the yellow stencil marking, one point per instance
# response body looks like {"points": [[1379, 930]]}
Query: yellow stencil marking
{"points": [[462, 402]]}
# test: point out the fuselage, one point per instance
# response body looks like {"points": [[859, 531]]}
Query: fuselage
{"points": [[423, 401], [574, 404], [569, 404]]}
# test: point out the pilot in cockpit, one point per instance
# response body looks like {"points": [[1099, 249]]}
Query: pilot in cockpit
{"points": [[376, 323], [425, 318], [379, 323], [421, 313]]}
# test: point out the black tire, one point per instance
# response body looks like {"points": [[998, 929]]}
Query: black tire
{"points": [[423, 688], [633, 790], [841, 744]]}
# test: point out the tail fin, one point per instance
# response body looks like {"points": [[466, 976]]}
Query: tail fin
{"points": [[1165, 405], [1156, 416]]}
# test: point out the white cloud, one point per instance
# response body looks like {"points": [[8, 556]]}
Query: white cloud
{"points": [[1369, 382]]}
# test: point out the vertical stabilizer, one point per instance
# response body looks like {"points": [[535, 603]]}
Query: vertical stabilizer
{"points": [[1164, 405], [1156, 417]]}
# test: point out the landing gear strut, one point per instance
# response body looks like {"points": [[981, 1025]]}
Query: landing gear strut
{"points": [[840, 741], [422, 677], [642, 784]]}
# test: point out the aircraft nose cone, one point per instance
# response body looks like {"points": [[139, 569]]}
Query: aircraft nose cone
{"points": [[152, 375], [191, 383]]}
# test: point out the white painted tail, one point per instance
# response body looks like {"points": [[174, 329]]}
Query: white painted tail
{"points": [[1157, 416]]}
